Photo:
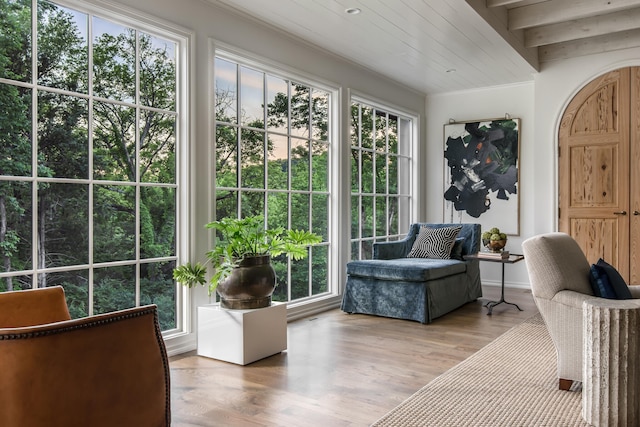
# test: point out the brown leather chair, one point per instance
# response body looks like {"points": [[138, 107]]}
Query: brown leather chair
{"points": [[105, 370]]}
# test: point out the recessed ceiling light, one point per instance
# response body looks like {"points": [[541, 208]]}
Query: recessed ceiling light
{"points": [[352, 11]]}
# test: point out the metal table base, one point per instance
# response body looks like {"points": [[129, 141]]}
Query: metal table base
{"points": [[491, 304], [511, 259]]}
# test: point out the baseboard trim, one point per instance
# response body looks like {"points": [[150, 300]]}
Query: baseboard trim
{"points": [[295, 312], [506, 285]]}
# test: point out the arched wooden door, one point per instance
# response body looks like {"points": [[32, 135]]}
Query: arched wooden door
{"points": [[599, 170]]}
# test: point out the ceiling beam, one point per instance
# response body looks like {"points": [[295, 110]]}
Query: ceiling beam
{"points": [[552, 12], [582, 28], [592, 45], [497, 19], [498, 3]]}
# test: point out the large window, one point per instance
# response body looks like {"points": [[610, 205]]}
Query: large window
{"points": [[381, 174], [89, 131], [273, 137]]}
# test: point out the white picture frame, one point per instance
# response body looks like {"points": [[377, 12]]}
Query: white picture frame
{"points": [[482, 174]]}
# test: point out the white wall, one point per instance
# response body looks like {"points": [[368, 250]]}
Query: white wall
{"points": [[540, 105], [488, 103]]}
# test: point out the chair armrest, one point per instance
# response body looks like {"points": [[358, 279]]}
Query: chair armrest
{"points": [[572, 298], [635, 291], [608, 304], [575, 299], [104, 370], [391, 250]]}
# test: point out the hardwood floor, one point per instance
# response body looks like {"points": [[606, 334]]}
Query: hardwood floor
{"points": [[339, 369]]}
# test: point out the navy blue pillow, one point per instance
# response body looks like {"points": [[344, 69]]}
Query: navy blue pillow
{"points": [[618, 284], [600, 283], [593, 281], [456, 250]]}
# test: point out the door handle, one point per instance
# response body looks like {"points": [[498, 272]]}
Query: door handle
{"points": [[636, 213], [620, 213]]}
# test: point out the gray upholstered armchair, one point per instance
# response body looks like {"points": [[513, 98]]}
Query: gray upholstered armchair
{"points": [[420, 289], [559, 276]]}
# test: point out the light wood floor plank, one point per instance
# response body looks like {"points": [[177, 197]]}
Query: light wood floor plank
{"points": [[339, 369]]}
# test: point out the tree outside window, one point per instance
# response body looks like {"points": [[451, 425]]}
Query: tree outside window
{"points": [[381, 143], [88, 174], [272, 159]]}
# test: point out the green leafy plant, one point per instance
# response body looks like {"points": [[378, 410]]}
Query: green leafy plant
{"points": [[241, 238]]}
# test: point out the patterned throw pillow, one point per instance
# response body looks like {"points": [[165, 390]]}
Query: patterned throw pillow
{"points": [[434, 242]]}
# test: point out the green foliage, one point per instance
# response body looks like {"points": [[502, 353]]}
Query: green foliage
{"points": [[77, 295], [9, 243], [61, 208], [191, 275], [244, 237], [374, 172]]}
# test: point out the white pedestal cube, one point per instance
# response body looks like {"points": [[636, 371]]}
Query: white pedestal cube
{"points": [[242, 336]]}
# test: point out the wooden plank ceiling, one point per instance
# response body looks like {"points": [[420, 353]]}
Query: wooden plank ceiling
{"points": [[436, 46]]}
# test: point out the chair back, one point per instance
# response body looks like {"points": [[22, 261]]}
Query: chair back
{"points": [[33, 307], [105, 370], [556, 262]]}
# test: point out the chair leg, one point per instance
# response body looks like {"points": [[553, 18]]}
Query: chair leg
{"points": [[564, 384]]}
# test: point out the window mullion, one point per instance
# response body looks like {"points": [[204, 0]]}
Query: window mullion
{"points": [[34, 144], [90, 125], [239, 140], [77, 191], [138, 142], [387, 158]]}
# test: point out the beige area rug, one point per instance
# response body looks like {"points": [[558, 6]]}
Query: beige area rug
{"points": [[510, 382]]}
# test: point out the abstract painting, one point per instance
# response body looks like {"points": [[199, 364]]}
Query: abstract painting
{"points": [[481, 182]]}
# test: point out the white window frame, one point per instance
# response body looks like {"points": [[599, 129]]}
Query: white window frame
{"points": [[184, 41], [300, 307], [407, 150]]}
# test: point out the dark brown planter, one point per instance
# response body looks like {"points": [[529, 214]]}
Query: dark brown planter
{"points": [[250, 285]]}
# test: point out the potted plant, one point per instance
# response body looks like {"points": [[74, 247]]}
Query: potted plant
{"points": [[241, 260]]}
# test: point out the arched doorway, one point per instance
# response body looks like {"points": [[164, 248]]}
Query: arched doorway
{"points": [[599, 170]]}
